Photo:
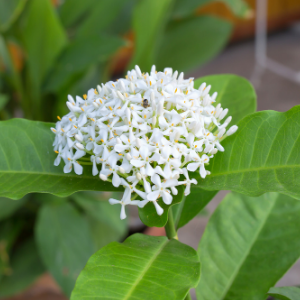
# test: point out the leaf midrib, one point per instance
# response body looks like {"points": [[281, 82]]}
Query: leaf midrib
{"points": [[251, 170], [144, 271], [248, 251]]}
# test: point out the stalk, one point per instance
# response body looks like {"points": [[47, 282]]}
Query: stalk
{"points": [[170, 226]]}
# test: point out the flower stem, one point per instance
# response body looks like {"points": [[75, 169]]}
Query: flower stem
{"points": [[170, 226]]}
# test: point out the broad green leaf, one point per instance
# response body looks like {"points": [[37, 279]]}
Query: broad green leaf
{"points": [[8, 207], [189, 43], [247, 246], [9, 12], [234, 92], [149, 216], [285, 293], [64, 241], [184, 8], [43, 38], [143, 267], [26, 163], [73, 11], [191, 205], [79, 55], [149, 19], [3, 100], [262, 156], [26, 267], [104, 219], [102, 15]]}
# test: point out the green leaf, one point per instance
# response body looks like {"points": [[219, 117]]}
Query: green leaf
{"points": [[247, 246], [192, 42], [149, 19], [43, 38], [105, 223], [3, 101], [9, 12], [149, 216], [234, 92], [102, 15], [27, 156], [191, 205], [8, 207], [184, 8], [79, 55], [143, 267], [64, 241], [262, 156], [72, 11], [26, 267], [285, 293]]}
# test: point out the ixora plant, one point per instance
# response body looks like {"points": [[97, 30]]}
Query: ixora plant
{"points": [[160, 139]]}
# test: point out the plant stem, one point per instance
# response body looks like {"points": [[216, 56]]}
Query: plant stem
{"points": [[170, 226], [188, 296]]}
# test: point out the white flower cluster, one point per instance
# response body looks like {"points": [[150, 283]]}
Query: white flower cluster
{"points": [[143, 132]]}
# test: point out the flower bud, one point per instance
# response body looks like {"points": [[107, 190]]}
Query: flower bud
{"points": [[99, 89], [122, 85], [154, 121], [120, 96], [214, 96], [181, 75], [206, 91], [223, 114], [214, 151], [78, 138], [138, 143], [160, 108], [153, 69], [71, 99], [70, 106], [138, 176], [103, 177], [175, 74], [131, 87], [138, 71], [202, 87], [232, 130], [128, 156], [121, 170], [79, 146], [96, 105], [221, 133]]}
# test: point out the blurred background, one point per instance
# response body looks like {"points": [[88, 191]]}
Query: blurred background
{"points": [[52, 48]]}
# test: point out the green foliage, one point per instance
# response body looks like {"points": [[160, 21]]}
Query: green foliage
{"points": [[43, 43], [64, 241], [32, 158], [79, 55], [285, 293], [248, 244], [261, 157], [104, 220], [191, 205], [143, 267], [9, 12], [149, 20], [26, 266], [196, 39], [8, 207]]}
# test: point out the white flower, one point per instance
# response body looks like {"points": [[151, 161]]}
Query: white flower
{"points": [[143, 132], [126, 200]]}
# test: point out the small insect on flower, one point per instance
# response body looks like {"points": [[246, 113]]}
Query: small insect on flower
{"points": [[145, 103]]}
